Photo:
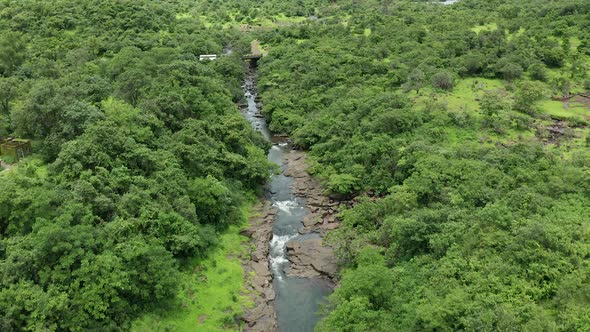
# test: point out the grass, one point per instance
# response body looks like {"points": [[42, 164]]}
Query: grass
{"points": [[486, 27], [184, 16], [575, 42], [211, 295], [463, 101], [556, 109], [463, 97], [259, 22], [33, 160], [466, 92]]}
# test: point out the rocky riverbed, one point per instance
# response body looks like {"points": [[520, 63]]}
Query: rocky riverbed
{"points": [[290, 270], [262, 317], [308, 256]]}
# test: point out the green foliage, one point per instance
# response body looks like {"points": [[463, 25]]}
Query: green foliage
{"points": [[538, 72], [146, 160], [12, 52], [511, 71], [210, 295], [527, 95], [443, 80], [471, 223], [415, 81], [494, 107]]}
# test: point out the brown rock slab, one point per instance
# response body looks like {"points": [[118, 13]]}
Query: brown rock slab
{"points": [[311, 255]]}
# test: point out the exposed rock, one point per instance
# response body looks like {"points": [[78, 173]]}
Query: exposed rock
{"points": [[331, 226], [311, 253], [311, 220], [262, 316], [247, 232], [261, 269]]}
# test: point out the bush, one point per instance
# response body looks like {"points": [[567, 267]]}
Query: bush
{"points": [[538, 72], [527, 95], [8, 159], [511, 71], [343, 183], [443, 80]]}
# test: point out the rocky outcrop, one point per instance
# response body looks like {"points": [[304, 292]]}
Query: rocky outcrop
{"points": [[323, 210], [262, 316], [311, 258]]}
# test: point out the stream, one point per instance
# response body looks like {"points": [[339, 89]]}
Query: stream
{"points": [[297, 299]]}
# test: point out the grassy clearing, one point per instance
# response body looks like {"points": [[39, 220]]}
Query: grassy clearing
{"points": [[465, 94], [211, 293], [463, 98], [463, 101], [556, 109], [486, 27], [184, 16], [34, 161]]}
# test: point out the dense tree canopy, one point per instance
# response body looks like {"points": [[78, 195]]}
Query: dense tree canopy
{"points": [[456, 128], [145, 158], [480, 217]]}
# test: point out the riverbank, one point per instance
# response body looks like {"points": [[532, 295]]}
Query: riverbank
{"points": [[212, 295], [256, 266]]}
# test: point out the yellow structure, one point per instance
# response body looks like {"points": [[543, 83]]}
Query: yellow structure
{"points": [[15, 148]]}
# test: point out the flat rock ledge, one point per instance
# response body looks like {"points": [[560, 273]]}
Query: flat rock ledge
{"points": [[262, 316], [311, 258], [323, 210]]}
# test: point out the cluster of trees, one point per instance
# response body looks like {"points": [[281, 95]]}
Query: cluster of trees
{"points": [[467, 233], [144, 158]]}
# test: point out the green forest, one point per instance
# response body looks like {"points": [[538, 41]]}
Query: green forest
{"points": [[462, 131]]}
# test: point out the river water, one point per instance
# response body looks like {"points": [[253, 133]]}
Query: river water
{"points": [[298, 299]]}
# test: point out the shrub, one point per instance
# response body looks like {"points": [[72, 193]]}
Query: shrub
{"points": [[443, 80]]}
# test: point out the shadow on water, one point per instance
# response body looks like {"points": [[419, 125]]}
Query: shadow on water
{"points": [[298, 299]]}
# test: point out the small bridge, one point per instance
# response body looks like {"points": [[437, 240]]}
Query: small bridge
{"points": [[255, 53]]}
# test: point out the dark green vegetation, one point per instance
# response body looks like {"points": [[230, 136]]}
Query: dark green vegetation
{"points": [[457, 120], [142, 158], [480, 218]]}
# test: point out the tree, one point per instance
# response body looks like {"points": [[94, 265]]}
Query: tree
{"points": [[473, 63], [12, 52], [538, 71], [511, 71], [415, 80], [579, 68], [493, 105], [8, 91], [527, 95]]}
